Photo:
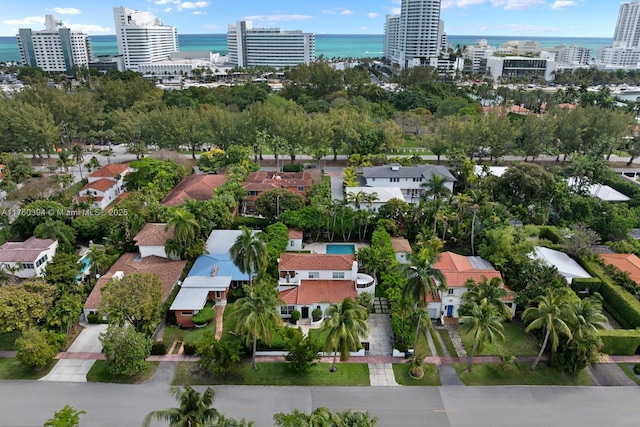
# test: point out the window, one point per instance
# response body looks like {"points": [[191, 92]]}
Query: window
{"points": [[27, 266], [417, 179], [300, 188], [314, 275], [338, 274], [253, 193], [186, 313], [450, 291], [286, 309], [394, 179], [292, 243]]}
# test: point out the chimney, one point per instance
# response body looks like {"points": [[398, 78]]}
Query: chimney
{"points": [[214, 271]]}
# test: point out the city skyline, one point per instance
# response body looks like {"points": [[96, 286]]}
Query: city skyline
{"points": [[517, 18]]}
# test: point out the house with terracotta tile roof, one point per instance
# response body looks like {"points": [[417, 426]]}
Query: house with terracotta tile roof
{"points": [[628, 263], [152, 239], [194, 187], [29, 258], [310, 281], [105, 185], [295, 240], [261, 181], [457, 270]]}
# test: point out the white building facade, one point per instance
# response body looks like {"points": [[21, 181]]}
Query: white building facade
{"points": [[624, 53], [250, 47], [143, 38], [420, 33], [56, 49], [391, 35], [514, 66], [29, 258]]}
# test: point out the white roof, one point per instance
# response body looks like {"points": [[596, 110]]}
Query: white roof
{"points": [[566, 266], [491, 170], [216, 283], [220, 241], [384, 193], [601, 191], [190, 299]]}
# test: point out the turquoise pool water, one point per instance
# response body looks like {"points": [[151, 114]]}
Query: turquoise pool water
{"points": [[85, 263], [341, 249]]}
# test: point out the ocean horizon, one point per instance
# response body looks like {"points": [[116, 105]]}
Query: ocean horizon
{"points": [[328, 45]]}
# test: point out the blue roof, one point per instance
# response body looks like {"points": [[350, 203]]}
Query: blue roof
{"points": [[205, 263]]}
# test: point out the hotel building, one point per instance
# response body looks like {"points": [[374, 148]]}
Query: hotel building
{"points": [[143, 38], [420, 33], [56, 49], [249, 47], [625, 51], [391, 35]]}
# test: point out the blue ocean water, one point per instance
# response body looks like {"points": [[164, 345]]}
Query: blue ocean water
{"points": [[328, 45]]}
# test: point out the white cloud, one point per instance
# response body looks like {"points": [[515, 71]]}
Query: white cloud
{"points": [[372, 14], [66, 10], [281, 18], [451, 4], [516, 4], [29, 20], [199, 12], [560, 4], [396, 10], [192, 5], [337, 11], [89, 28], [161, 2]]}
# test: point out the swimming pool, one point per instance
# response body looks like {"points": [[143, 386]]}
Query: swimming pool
{"points": [[85, 264], [341, 249]]}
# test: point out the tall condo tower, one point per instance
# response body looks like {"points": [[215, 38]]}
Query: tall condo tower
{"points": [[391, 35], [248, 46], [143, 38], [627, 34], [55, 49], [419, 33]]}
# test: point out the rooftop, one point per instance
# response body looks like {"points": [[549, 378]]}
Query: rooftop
{"points": [[384, 194], [626, 262], [27, 251], [397, 171], [102, 184], [194, 187], [269, 180], [400, 244], [110, 171], [154, 234], [295, 262], [457, 269], [566, 266], [317, 291]]}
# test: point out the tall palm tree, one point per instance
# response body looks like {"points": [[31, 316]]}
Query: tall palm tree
{"points": [[100, 260], [194, 411], [490, 290], [356, 198], [436, 187], [77, 153], [589, 317], [258, 313], [249, 252], [553, 314], [186, 227], [484, 324], [65, 161], [346, 324]]}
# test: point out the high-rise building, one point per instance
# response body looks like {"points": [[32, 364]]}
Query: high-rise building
{"points": [[420, 33], [143, 38], [391, 35], [625, 51], [249, 47], [55, 49]]}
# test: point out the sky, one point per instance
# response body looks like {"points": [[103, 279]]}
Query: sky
{"points": [[543, 18]]}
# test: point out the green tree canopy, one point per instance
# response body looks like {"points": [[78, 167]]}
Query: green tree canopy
{"points": [[125, 350]]}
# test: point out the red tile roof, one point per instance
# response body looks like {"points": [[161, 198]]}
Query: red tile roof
{"points": [[27, 251], [317, 291], [457, 269], [103, 184], [625, 262], [296, 262], [110, 171], [168, 271], [198, 187], [295, 234], [264, 180], [154, 234]]}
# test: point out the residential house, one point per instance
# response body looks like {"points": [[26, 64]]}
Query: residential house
{"points": [[566, 266], [600, 191], [371, 198], [402, 248], [408, 179], [629, 263], [295, 240], [29, 258], [152, 239], [194, 293], [194, 187], [310, 281], [261, 181], [458, 270], [105, 185]]}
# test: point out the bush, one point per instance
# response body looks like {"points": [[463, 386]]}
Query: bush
{"points": [[250, 222], [158, 348], [623, 342], [189, 349], [204, 316], [550, 233], [586, 285], [316, 314], [636, 369], [36, 348], [125, 350], [295, 316], [293, 168], [94, 318]]}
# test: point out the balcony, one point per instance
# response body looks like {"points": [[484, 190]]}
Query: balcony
{"points": [[365, 283]]}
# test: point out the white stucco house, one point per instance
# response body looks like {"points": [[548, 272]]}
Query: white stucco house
{"points": [[408, 179], [152, 239], [295, 240], [29, 258], [380, 196], [310, 281], [402, 248], [105, 185]]}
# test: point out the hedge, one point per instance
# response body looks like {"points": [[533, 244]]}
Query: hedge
{"points": [[550, 233], [293, 168], [623, 342], [158, 348], [204, 316], [580, 284]]}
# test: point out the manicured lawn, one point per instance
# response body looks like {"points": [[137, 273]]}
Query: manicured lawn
{"points": [[423, 345], [516, 343], [11, 369], [173, 333], [444, 334], [7, 341], [279, 373], [495, 374], [431, 376], [436, 341], [628, 370], [100, 374]]}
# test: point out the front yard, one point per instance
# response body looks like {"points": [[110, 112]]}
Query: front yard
{"points": [[516, 343], [11, 369], [431, 375], [520, 374], [100, 374]]}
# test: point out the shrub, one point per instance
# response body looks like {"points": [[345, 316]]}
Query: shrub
{"points": [[636, 369], [293, 168], [254, 223], [365, 299], [204, 316], [550, 233], [620, 341], [94, 318], [189, 349], [316, 314], [36, 348], [125, 350], [586, 285], [295, 316], [158, 348]]}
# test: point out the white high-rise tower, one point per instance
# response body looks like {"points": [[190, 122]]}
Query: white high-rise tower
{"points": [[142, 38], [627, 34], [391, 35], [419, 33]]}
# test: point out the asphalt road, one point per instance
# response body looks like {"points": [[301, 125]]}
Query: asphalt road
{"points": [[28, 403]]}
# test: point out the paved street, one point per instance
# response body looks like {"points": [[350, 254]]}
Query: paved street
{"points": [[26, 403]]}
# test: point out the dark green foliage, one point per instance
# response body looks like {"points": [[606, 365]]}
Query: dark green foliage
{"points": [[293, 168], [36, 348], [62, 272], [94, 318], [550, 233], [204, 316], [272, 203], [580, 285], [35, 213], [623, 342], [125, 350], [189, 349], [303, 351], [251, 222], [217, 356], [158, 348], [295, 316], [155, 176], [636, 369], [316, 314]]}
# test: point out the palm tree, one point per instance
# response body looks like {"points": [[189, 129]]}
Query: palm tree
{"points": [[258, 313], [185, 227], [436, 187], [57, 230], [484, 324], [249, 252], [100, 260], [589, 317], [552, 314], [77, 153], [356, 198], [346, 324], [322, 417], [194, 411], [64, 160], [492, 291]]}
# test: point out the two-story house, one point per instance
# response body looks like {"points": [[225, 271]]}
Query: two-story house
{"points": [[310, 281], [104, 186], [261, 181], [408, 179], [29, 258]]}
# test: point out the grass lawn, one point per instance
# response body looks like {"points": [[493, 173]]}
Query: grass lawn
{"points": [[278, 373], [401, 372], [423, 345], [11, 369], [174, 333], [495, 374], [100, 374], [444, 334], [628, 370], [516, 343], [7, 341], [436, 341]]}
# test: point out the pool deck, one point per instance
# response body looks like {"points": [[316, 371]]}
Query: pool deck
{"points": [[321, 247]]}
